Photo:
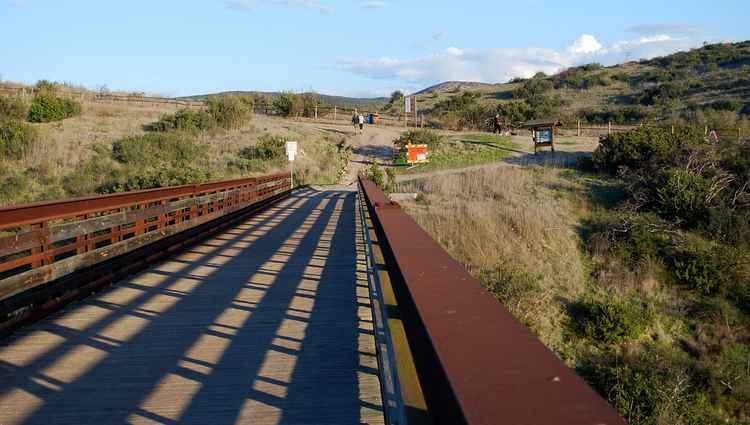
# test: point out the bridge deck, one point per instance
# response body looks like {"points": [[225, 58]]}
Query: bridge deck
{"points": [[266, 323]]}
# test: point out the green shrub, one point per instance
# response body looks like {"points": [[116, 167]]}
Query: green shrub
{"points": [[230, 112], [160, 175], [709, 269], [288, 104], [15, 139], [48, 107], [642, 148], [150, 149], [419, 137], [268, 148], [656, 386], [611, 321], [13, 108], [514, 112], [384, 179], [683, 196], [185, 120]]}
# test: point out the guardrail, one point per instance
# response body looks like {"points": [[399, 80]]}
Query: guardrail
{"points": [[477, 364], [51, 240]]}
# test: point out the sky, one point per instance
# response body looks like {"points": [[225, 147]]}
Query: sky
{"points": [[350, 48]]}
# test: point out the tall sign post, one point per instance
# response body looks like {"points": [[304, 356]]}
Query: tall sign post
{"points": [[291, 152], [410, 106]]}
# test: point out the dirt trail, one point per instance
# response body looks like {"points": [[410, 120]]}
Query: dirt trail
{"points": [[374, 142], [377, 142]]}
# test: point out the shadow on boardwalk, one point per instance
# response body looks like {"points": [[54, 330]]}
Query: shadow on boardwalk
{"points": [[265, 323]]}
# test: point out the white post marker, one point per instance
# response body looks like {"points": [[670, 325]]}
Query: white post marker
{"points": [[291, 152]]}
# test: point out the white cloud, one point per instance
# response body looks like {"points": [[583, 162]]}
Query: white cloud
{"points": [[307, 4], [373, 4], [501, 64], [585, 44]]}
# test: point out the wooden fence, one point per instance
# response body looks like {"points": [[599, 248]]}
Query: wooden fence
{"points": [[110, 98]]}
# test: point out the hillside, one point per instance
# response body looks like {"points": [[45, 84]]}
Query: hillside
{"points": [[711, 78], [456, 86]]}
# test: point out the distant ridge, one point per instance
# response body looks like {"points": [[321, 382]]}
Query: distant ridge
{"points": [[340, 101], [449, 86]]}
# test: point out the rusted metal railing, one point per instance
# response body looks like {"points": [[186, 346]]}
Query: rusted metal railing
{"points": [[47, 241], [476, 363]]}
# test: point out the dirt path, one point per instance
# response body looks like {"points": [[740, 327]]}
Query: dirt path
{"points": [[374, 142], [377, 142]]}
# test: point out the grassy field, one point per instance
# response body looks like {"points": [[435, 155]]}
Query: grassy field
{"points": [[463, 151], [75, 156], [659, 352]]}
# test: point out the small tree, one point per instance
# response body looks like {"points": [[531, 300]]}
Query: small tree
{"points": [[230, 112]]}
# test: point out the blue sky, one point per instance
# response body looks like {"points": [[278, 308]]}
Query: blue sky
{"points": [[355, 48]]}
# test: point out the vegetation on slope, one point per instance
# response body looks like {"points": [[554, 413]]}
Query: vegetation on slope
{"points": [[637, 276], [106, 150], [684, 86]]}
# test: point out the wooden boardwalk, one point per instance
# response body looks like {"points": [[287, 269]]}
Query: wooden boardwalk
{"points": [[267, 323]]}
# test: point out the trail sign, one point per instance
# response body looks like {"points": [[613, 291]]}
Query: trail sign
{"points": [[410, 104], [416, 154], [291, 150]]}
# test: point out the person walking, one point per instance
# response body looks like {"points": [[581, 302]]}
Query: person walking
{"points": [[355, 121], [361, 120], [498, 127]]}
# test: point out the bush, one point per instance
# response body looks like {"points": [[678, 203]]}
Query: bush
{"points": [[611, 321], [656, 386], [15, 139], [230, 112], [514, 112], [13, 108], [682, 195], [421, 136], [185, 120], [269, 148], [161, 175], [47, 107], [708, 270], [642, 148], [151, 149], [385, 180]]}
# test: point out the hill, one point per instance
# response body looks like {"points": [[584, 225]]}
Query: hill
{"points": [[455, 86], [705, 80]]}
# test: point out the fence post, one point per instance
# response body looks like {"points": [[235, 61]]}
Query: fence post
{"points": [[609, 127], [334, 113], [672, 128], [316, 111], [705, 130], [579, 129]]}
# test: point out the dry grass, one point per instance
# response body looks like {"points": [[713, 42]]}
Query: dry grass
{"points": [[64, 147], [510, 228]]}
